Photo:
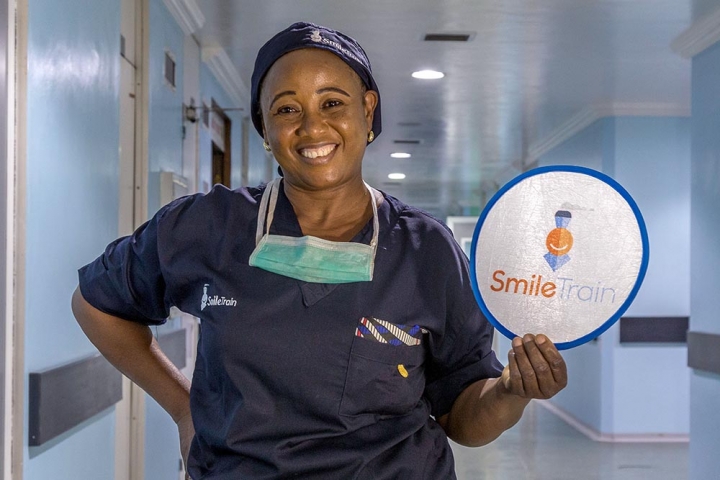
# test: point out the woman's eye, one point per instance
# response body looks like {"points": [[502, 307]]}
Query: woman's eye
{"points": [[333, 103], [286, 110]]}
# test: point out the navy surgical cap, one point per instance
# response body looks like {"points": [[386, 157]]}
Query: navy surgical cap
{"points": [[307, 35]]}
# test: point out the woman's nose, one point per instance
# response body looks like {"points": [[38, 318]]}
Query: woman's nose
{"points": [[311, 124]]}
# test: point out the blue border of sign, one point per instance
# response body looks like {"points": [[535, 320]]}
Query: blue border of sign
{"points": [[562, 168]]}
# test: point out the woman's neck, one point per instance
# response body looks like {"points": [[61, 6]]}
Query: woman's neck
{"points": [[337, 214]]}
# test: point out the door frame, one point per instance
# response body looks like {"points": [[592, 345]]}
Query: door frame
{"points": [[130, 411], [7, 209], [15, 341], [142, 133]]}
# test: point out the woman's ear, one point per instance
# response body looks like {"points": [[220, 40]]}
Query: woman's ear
{"points": [[371, 100]]}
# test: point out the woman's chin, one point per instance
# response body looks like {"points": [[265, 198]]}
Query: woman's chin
{"points": [[326, 181]]}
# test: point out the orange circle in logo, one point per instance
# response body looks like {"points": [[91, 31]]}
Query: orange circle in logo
{"points": [[559, 241]]}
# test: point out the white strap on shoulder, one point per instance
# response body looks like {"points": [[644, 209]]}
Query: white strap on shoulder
{"points": [[376, 221], [269, 196]]}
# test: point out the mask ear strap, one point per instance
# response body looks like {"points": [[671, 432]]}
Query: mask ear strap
{"points": [[273, 203], [263, 211], [376, 221], [376, 229]]}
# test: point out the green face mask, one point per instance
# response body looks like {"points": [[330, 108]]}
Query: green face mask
{"points": [[308, 258]]}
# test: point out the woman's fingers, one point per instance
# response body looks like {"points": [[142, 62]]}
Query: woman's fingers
{"points": [[543, 375], [515, 382], [525, 366], [536, 368], [554, 360]]}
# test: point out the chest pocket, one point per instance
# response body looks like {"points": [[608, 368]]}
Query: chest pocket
{"points": [[382, 379]]}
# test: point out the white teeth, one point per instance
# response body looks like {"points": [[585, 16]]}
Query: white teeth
{"points": [[317, 152]]}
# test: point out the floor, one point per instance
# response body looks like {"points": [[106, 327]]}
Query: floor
{"points": [[543, 447]]}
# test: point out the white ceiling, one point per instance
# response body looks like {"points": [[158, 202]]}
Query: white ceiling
{"points": [[531, 66]]}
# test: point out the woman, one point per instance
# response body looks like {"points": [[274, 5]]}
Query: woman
{"points": [[339, 335]]}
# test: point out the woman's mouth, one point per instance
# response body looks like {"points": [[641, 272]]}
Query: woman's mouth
{"points": [[323, 151]]}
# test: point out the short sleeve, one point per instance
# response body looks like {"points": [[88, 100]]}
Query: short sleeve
{"points": [[126, 280], [463, 353]]}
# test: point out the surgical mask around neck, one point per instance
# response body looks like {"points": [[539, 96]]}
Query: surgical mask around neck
{"points": [[309, 258]]}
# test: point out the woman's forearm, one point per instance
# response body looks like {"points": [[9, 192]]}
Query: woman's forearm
{"points": [[488, 407], [482, 412], [133, 350]]}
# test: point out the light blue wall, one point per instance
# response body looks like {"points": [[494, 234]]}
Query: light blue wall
{"points": [[705, 257], [586, 148], [162, 445], [166, 113], [620, 389], [72, 202], [652, 161]]}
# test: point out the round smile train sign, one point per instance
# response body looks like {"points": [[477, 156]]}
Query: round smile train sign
{"points": [[559, 250]]}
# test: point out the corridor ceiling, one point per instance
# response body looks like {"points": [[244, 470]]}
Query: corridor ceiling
{"points": [[529, 68]]}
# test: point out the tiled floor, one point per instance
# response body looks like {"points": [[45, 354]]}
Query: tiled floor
{"points": [[543, 447]]}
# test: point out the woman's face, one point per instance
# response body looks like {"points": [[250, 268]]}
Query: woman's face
{"points": [[316, 117]]}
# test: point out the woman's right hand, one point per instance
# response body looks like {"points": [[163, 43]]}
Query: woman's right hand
{"points": [[186, 430]]}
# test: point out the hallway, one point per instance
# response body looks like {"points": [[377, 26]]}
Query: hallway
{"points": [[111, 109], [543, 447]]}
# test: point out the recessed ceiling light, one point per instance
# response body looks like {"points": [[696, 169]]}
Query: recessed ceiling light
{"points": [[400, 155], [428, 74], [396, 176]]}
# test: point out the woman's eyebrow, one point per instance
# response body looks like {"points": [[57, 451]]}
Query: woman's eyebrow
{"points": [[281, 94], [333, 89]]}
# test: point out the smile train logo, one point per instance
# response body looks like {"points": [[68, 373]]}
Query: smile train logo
{"points": [[215, 300], [203, 302], [559, 241], [315, 36]]}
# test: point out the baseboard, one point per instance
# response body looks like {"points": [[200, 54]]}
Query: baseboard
{"points": [[593, 434]]}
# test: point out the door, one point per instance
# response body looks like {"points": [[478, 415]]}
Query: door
{"points": [[220, 131], [220, 173]]}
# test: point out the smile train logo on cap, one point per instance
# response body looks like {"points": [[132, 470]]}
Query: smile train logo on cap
{"points": [[559, 241], [317, 38]]}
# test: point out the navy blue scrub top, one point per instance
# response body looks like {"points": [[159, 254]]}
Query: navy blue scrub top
{"points": [[288, 382]]}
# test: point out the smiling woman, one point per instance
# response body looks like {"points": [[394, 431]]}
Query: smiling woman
{"points": [[317, 106], [340, 335], [317, 125]]}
